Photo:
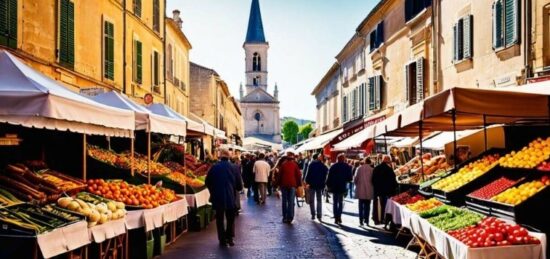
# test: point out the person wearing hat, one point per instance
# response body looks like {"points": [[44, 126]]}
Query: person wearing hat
{"points": [[288, 178], [222, 183]]}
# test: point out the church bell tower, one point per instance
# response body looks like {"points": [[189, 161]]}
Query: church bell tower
{"points": [[255, 47]]}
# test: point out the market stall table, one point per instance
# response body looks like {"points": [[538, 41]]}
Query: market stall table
{"points": [[199, 199], [64, 239]]}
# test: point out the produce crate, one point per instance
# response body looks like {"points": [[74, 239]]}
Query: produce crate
{"points": [[456, 197], [100, 169], [529, 213]]}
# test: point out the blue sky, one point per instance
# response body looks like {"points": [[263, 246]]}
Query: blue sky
{"points": [[304, 37]]}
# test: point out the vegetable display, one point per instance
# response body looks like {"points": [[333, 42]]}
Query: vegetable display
{"points": [[493, 232], [449, 218], [493, 188], [96, 210], [424, 205], [145, 196], [124, 161], [407, 197]]}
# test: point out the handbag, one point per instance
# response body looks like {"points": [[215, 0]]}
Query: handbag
{"points": [[307, 194], [300, 192]]}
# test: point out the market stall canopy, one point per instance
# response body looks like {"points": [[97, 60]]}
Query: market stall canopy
{"points": [[145, 119], [195, 126], [319, 141], [355, 140], [164, 110], [32, 99], [439, 141], [406, 142], [219, 134], [208, 128], [253, 143]]}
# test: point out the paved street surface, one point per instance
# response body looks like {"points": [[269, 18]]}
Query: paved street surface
{"points": [[260, 234]]}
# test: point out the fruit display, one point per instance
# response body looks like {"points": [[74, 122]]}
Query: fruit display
{"points": [[436, 164], [27, 186], [32, 219], [61, 181], [144, 196], [493, 232], [424, 205], [493, 188], [8, 199], [407, 197], [530, 156], [467, 173], [124, 161], [197, 167], [517, 195], [449, 218], [413, 164], [544, 166], [97, 211]]}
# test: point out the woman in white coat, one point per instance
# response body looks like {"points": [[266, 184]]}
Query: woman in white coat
{"points": [[364, 190]]}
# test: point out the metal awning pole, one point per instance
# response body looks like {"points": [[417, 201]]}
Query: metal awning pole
{"points": [[420, 137], [132, 150], [454, 138], [149, 157], [84, 157], [385, 144], [485, 130]]}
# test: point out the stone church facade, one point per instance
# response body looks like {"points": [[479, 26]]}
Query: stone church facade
{"points": [[260, 109]]}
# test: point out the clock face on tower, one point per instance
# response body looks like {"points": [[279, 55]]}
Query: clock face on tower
{"points": [[257, 116]]}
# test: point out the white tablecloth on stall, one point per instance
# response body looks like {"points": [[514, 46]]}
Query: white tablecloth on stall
{"points": [[107, 230], [52, 243], [76, 235], [451, 248], [400, 216], [64, 239], [175, 210], [153, 218], [199, 199]]}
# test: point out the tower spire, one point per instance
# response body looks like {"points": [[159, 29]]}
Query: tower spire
{"points": [[255, 33], [241, 91], [276, 92]]}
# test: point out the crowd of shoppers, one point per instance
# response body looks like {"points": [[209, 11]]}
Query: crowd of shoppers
{"points": [[263, 175]]}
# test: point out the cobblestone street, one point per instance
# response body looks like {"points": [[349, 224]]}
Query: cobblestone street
{"points": [[260, 234]]}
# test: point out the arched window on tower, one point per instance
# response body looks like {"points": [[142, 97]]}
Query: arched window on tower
{"points": [[256, 62], [256, 81]]}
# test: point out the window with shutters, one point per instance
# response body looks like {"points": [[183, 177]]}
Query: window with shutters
{"points": [[415, 7], [169, 63], [375, 93], [108, 50], [354, 104], [138, 62], [506, 21], [463, 32], [137, 7], [414, 81], [66, 33], [8, 23], [362, 100], [377, 37], [155, 66], [345, 108], [156, 15]]}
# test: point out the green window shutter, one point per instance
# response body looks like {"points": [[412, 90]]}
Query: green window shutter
{"points": [[137, 8], [156, 15], [66, 33], [156, 68], [12, 23], [420, 79], [455, 44], [109, 51], [4, 23], [460, 40], [139, 62], [372, 94], [378, 92], [497, 25], [511, 35], [407, 85], [468, 36]]}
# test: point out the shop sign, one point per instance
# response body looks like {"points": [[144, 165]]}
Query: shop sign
{"points": [[349, 132], [148, 99], [92, 91], [538, 79]]}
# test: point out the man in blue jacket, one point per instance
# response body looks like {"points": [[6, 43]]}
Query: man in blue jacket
{"points": [[315, 179], [339, 176], [223, 184]]}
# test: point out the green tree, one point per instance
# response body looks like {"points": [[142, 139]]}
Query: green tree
{"points": [[305, 130], [290, 131]]}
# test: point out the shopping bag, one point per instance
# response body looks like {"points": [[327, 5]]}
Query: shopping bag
{"points": [[307, 194], [300, 192]]}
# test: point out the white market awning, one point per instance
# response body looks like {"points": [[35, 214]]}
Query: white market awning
{"points": [[319, 141], [355, 140], [31, 99], [439, 141], [145, 119]]}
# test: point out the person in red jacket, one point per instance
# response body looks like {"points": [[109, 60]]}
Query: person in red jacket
{"points": [[288, 178]]}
